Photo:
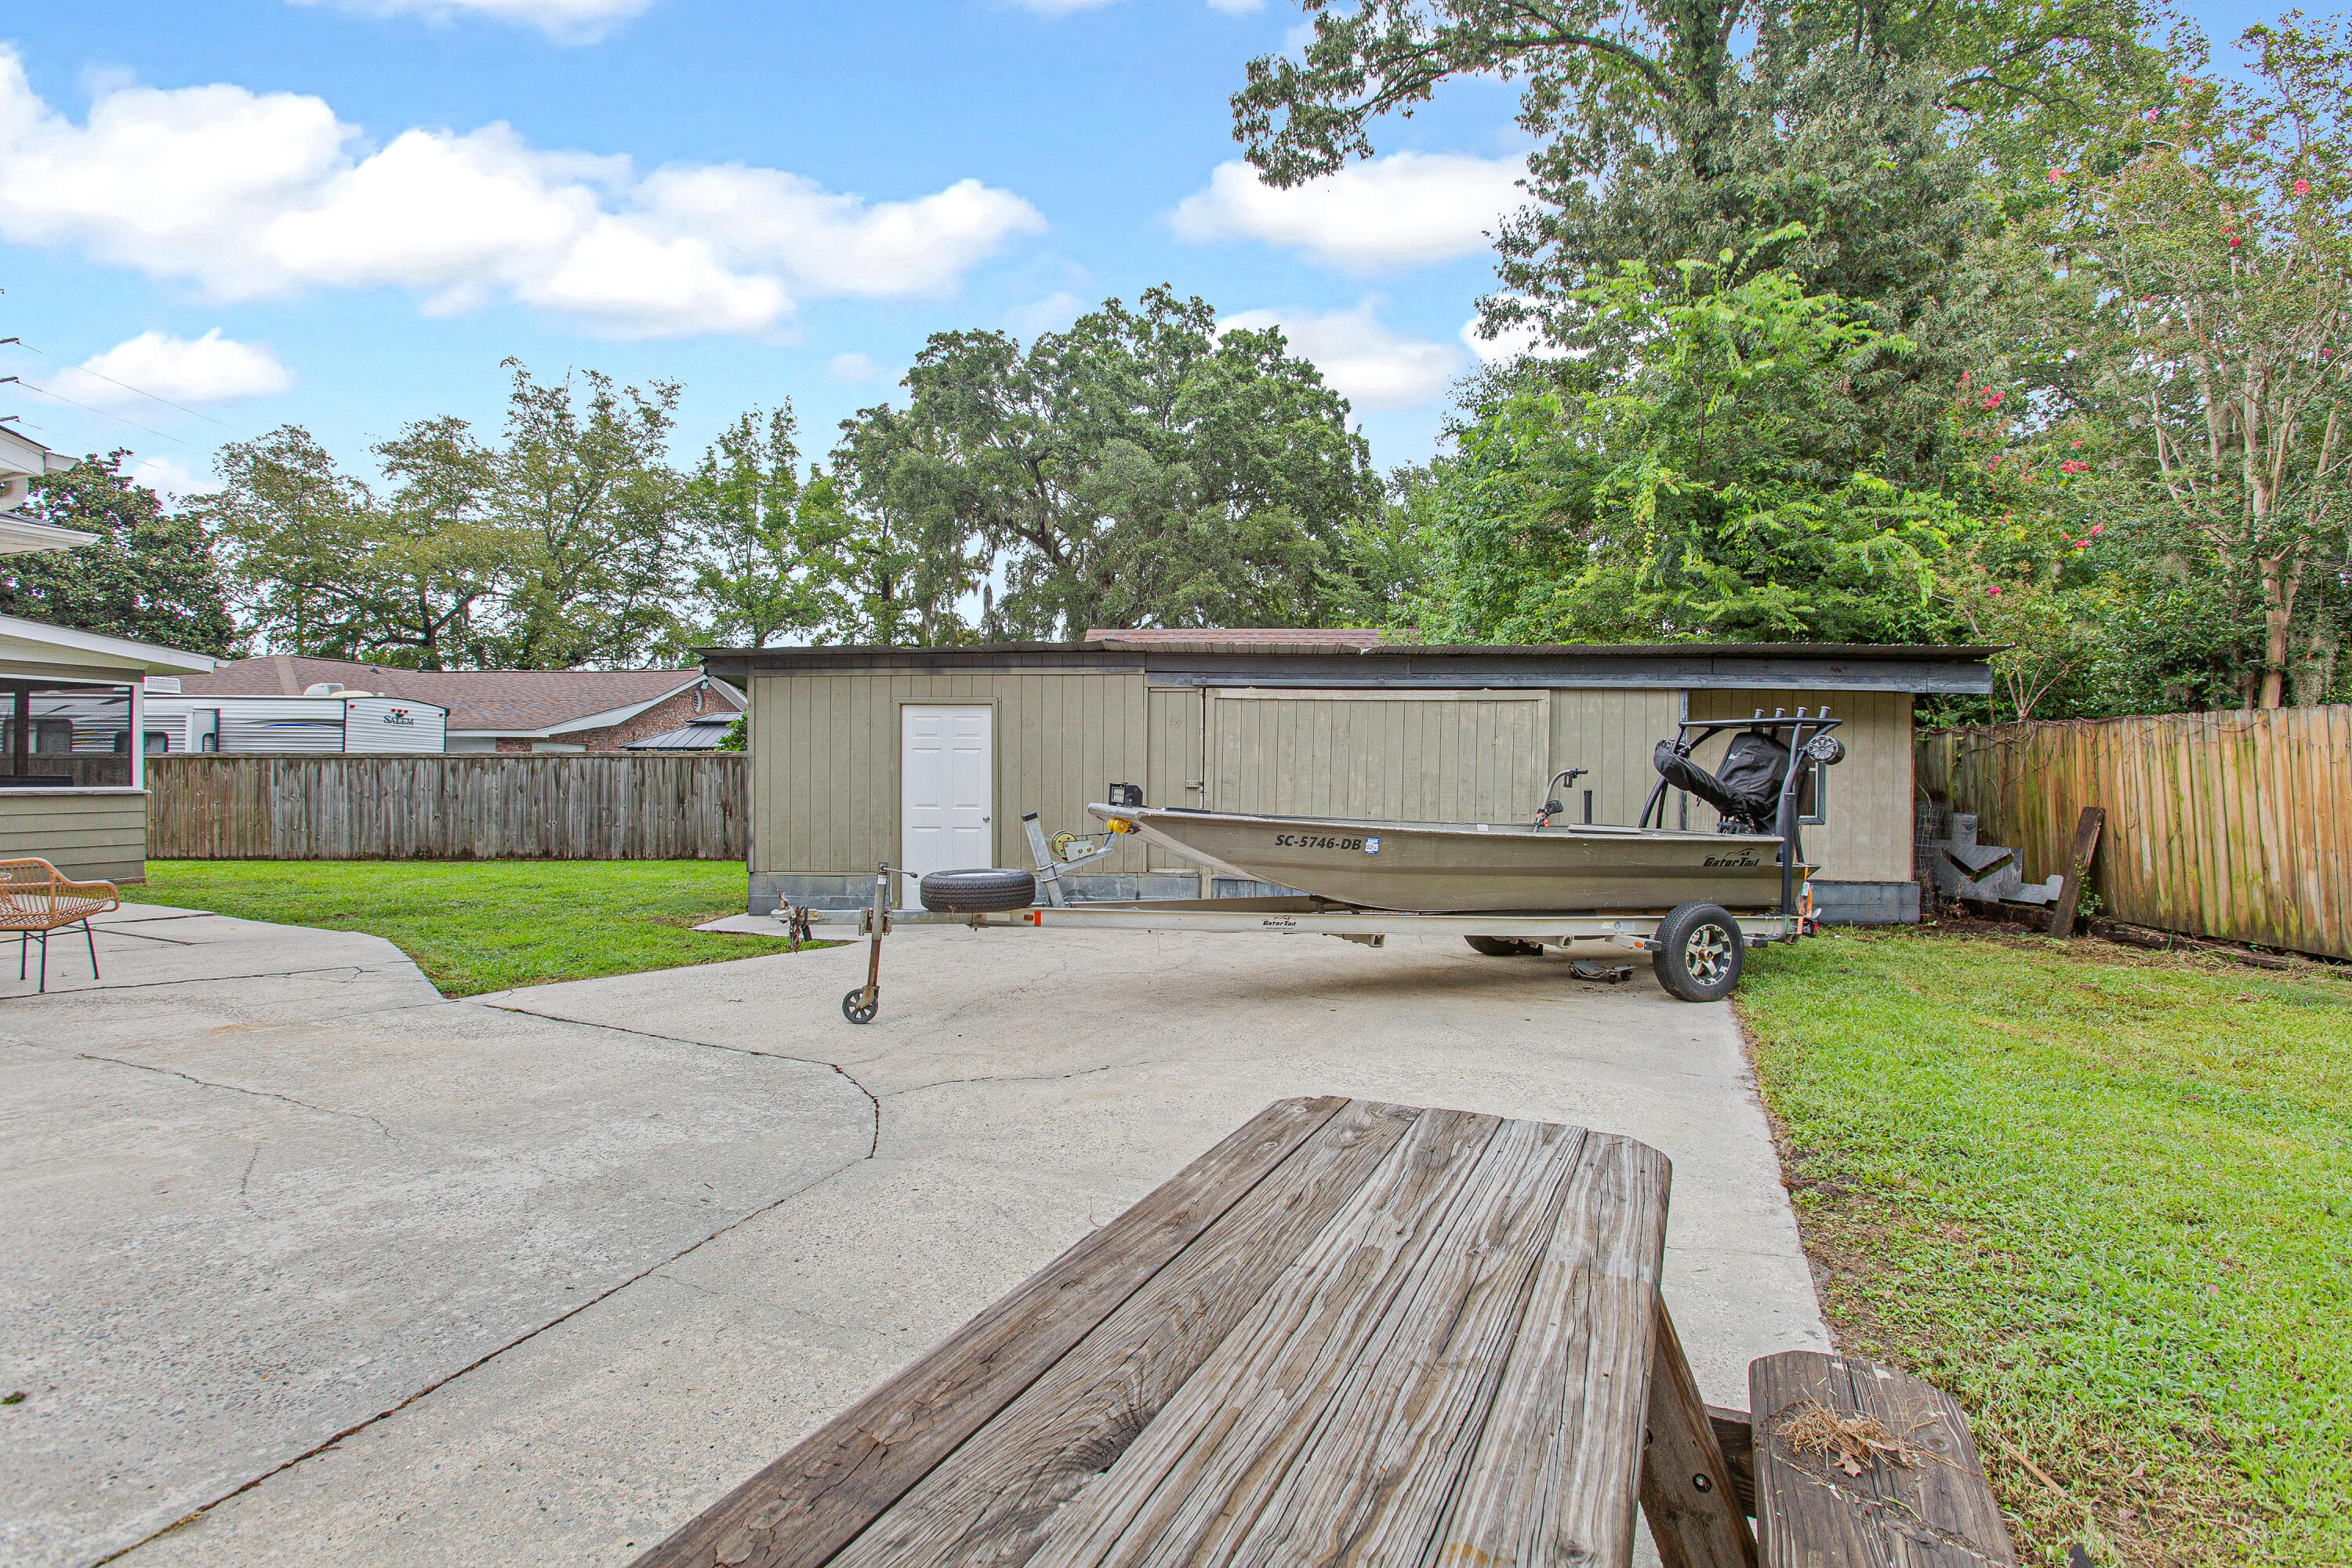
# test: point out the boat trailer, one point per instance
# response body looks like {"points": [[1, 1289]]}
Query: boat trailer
{"points": [[1698, 948], [1632, 931]]}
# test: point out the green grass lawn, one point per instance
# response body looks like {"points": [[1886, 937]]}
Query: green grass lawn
{"points": [[2103, 1197], [476, 926]]}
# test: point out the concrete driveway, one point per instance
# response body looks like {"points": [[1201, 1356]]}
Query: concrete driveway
{"points": [[309, 1264]]}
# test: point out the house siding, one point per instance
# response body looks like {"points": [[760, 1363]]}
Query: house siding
{"points": [[87, 837]]}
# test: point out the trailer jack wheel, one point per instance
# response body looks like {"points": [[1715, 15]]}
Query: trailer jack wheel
{"points": [[860, 1005]]}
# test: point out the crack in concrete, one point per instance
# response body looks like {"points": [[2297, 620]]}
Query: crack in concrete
{"points": [[239, 1088], [689, 1284], [245, 1181], [871, 1098], [101, 988], [1014, 1078], [484, 1358]]}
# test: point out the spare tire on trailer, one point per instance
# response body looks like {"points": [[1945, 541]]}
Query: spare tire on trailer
{"points": [[978, 892], [1504, 947], [1700, 952]]}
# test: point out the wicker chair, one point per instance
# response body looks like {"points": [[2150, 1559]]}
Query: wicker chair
{"points": [[36, 899]]}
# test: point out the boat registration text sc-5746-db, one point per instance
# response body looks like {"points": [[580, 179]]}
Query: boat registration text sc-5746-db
{"points": [[1314, 841]]}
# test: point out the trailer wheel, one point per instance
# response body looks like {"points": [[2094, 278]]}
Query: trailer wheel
{"points": [[858, 1009], [1700, 953], [978, 892], [1504, 947]]}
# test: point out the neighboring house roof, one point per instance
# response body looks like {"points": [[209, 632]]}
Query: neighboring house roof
{"points": [[1242, 637], [526, 702], [701, 733], [38, 642]]}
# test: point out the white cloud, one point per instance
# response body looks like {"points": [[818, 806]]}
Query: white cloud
{"points": [[1368, 364], [1052, 314], [1521, 339], [1402, 210], [171, 478], [565, 21], [853, 366], [210, 368], [834, 244], [255, 196]]}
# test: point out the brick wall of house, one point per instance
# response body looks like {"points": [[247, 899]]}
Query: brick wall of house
{"points": [[658, 719]]}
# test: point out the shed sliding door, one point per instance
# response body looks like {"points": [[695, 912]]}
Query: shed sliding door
{"points": [[1425, 756]]}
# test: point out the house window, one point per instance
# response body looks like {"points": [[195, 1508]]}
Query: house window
{"points": [[61, 735]]}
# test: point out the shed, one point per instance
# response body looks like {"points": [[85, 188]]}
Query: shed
{"points": [[927, 757]]}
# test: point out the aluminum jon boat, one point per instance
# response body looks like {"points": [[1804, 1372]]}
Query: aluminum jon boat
{"points": [[1469, 867], [1480, 867]]}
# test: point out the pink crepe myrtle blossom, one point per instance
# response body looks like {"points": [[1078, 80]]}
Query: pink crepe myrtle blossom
{"points": [[2078, 443], [2082, 544], [1991, 400], [2098, 528], [1994, 591], [2057, 176], [2303, 188], [2070, 467]]}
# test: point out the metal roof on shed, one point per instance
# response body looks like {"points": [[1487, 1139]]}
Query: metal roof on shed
{"points": [[1850, 667]]}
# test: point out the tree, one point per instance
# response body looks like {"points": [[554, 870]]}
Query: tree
{"points": [[1844, 144], [325, 567], [435, 559], [1701, 483], [151, 576], [584, 505], [900, 565], [299, 532], [1142, 468], [766, 544], [2197, 321]]}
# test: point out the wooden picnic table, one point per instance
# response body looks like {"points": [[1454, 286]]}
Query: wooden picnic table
{"points": [[1351, 1332]]}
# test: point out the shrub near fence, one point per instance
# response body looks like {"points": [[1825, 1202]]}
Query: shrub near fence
{"points": [[570, 806], [2235, 824]]}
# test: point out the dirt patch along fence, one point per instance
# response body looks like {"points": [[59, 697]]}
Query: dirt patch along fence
{"points": [[550, 807], [2234, 824]]}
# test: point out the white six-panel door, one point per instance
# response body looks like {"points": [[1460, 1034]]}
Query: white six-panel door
{"points": [[946, 774]]}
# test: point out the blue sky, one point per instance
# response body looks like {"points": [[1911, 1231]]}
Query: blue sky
{"points": [[345, 215], [372, 204]]}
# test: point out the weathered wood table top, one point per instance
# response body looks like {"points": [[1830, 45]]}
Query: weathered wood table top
{"points": [[1351, 1333]]}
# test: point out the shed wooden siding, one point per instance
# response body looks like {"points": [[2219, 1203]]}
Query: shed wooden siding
{"points": [[1419, 756], [1867, 834], [1177, 772], [101, 837], [1612, 732], [826, 783]]}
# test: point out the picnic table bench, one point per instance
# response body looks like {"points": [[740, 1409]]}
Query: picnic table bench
{"points": [[1361, 1333]]}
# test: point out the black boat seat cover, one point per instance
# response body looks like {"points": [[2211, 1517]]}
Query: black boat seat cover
{"points": [[1755, 767]]}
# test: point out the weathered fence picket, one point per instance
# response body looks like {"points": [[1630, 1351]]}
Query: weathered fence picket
{"points": [[568, 806], [2235, 824]]}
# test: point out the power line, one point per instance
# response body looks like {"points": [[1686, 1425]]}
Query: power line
{"points": [[126, 386], [45, 392]]}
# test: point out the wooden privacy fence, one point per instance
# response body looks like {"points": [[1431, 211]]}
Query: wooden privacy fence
{"points": [[2235, 824], [561, 807]]}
